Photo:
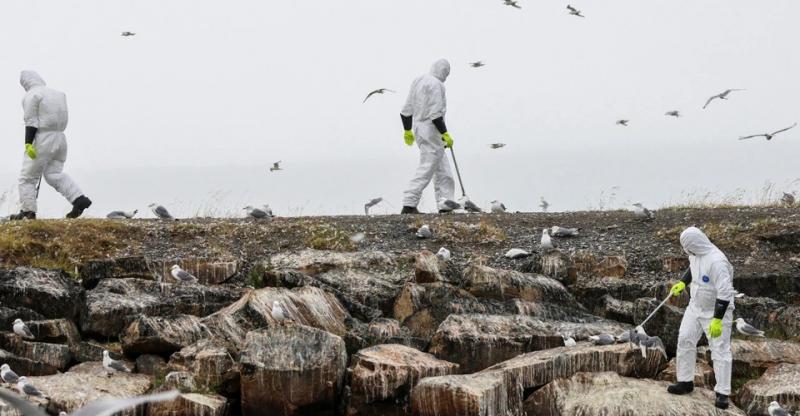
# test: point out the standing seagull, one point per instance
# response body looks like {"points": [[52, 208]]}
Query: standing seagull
{"points": [[371, 203], [673, 113], [788, 199], [111, 365], [775, 409], [477, 64], [769, 136], [276, 166], [277, 312], [28, 389], [126, 34], [121, 215], [568, 341], [543, 204], [498, 207], [22, 330], [470, 206], [546, 243], [182, 276], [573, 11], [256, 213], [623, 122], [722, 96], [160, 212], [643, 213], [378, 91], [497, 145], [8, 375], [746, 329]]}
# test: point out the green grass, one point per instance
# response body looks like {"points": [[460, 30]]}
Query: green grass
{"points": [[328, 237]]}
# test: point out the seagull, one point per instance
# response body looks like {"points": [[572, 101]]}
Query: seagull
{"points": [[443, 254], [126, 34], [8, 375], [746, 329], [673, 113], [498, 207], [277, 312], [257, 213], [512, 3], [111, 365], [105, 407], [602, 339], [544, 204], [182, 276], [546, 243], [643, 213], [477, 64], [569, 341], [573, 11], [557, 231], [722, 96], [22, 330], [424, 232], [160, 211], [775, 409], [470, 206], [625, 336], [371, 203], [623, 122], [378, 91], [28, 389], [516, 253], [769, 136], [496, 145], [788, 199], [121, 215], [646, 341], [357, 238], [276, 166], [449, 205]]}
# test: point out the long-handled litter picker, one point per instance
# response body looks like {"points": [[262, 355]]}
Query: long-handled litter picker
{"points": [[669, 295], [458, 173]]}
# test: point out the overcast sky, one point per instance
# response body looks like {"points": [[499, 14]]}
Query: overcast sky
{"points": [[191, 111]]}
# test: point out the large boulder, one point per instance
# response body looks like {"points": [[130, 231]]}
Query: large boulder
{"points": [[115, 303], [778, 319], [86, 383], [9, 315], [483, 394], [191, 404], [591, 292], [162, 335], [600, 394], [617, 310], [426, 267], [308, 306], [382, 377], [53, 294], [780, 383], [536, 369], [478, 341], [611, 266], [752, 358], [58, 356], [498, 284], [361, 335], [211, 364], [57, 331], [133, 267], [207, 271], [26, 366], [286, 370]]}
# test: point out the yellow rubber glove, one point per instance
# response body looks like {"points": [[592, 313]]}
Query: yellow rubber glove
{"points": [[448, 141], [715, 328], [408, 136], [677, 288], [30, 150]]}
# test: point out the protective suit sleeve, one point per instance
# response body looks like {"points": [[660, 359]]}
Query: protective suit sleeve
{"points": [[408, 122], [687, 276], [439, 123], [30, 107], [723, 282], [720, 307], [30, 134]]}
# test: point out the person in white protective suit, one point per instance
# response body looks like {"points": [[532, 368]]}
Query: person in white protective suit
{"points": [[45, 115], [710, 310], [423, 121]]}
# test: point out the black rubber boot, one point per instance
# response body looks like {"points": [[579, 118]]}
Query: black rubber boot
{"points": [[722, 401], [409, 210], [78, 206], [681, 387], [23, 215]]}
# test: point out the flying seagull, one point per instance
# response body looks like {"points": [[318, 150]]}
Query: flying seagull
{"points": [[623, 122], [276, 166], [22, 330], [543, 204], [643, 213], [722, 96], [105, 407], [277, 312], [573, 11], [160, 211], [498, 207], [371, 203], [477, 64], [126, 34], [28, 389], [602, 339], [111, 365], [746, 329], [182, 276], [769, 136], [121, 215], [512, 3], [378, 91], [775, 409], [673, 113], [8, 375], [257, 213], [497, 145]]}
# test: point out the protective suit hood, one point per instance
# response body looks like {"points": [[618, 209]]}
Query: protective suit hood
{"points": [[29, 79], [695, 243], [440, 69]]}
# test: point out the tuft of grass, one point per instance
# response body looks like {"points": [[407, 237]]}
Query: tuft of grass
{"points": [[255, 277], [484, 232], [726, 235], [60, 244], [328, 237]]}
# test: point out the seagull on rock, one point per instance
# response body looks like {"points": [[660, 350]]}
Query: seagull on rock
{"points": [[569, 341], [112, 366], [257, 213], [443, 254], [277, 312], [788, 199], [775, 409], [746, 329], [602, 339], [8, 375], [557, 231], [182, 276], [424, 232], [498, 207], [642, 213], [121, 215], [516, 253], [22, 330], [28, 389], [546, 243], [160, 212], [722, 96]]}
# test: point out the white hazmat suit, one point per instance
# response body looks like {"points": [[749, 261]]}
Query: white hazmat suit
{"points": [[45, 109], [712, 279], [426, 102]]}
